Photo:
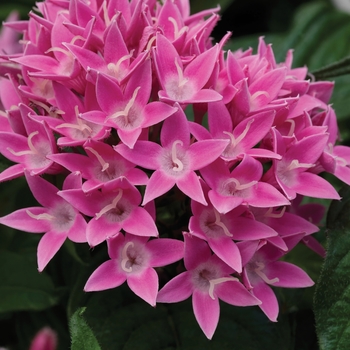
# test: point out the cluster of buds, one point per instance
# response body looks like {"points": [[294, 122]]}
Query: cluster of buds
{"points": [[142, 114]]}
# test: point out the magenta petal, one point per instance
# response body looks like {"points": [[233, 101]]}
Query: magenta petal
{"points": [[265, 196], [312, 185], [12, 172], [202, 153], [289, 275], [196, 251], [106, 276], [178, 289], [227, 251], [158, 184], [206, 311], [48, 246], [145, 285], [144, 153], [190, 185], [224, 204], [234, 293], [165, 251], [98, 230], [20, 220], [269, 301], [140, 223], [77, 233]]}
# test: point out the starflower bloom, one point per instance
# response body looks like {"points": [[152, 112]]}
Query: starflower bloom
{"points": [[184, 84], [28, 151], [242, 185], [262, 270], [57, 218], [220, 230], [133, 259], [207, 279], [127, 110], [101, 165], [175, 161], [292, 172], [114, 208]]}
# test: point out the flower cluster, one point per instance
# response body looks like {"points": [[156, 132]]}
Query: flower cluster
{"points": [[138, 110]]}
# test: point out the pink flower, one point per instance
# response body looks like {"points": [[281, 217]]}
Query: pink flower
{"points": [[45, 339], [132, 260], [176, 160], [57, 218], [262, 270], [114, 208], [207, 279]]}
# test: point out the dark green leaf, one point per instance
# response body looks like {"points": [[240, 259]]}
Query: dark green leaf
{"points": [[81, 334], [121, 321], [332, 297], [22, 286]]}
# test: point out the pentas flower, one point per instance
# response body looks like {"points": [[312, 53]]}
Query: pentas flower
{"points": [[127, 110], [184, 84], [114, 208], [242, 185], [262, 270], [292, 172], [220, 230], [28, 151], [207, 279], [97, 90], [248, 133], [65, 119], [57, 218], [133, 259], [175, 161], [100, 166]]}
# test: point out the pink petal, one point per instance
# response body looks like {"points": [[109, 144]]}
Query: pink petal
{"points": [[48, 246], [289, 275], [106, 276], [158, 184], [227, 251], [165, 251], [269, 301], [234, 293], [207, 311], [196, 251], [144, 153], [98, 230], [189, 184], [145, 285], [140, 223], [178, 289], [20, 220], [202, 153], [312, 185]]}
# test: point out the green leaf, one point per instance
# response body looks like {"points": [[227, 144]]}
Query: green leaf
{"points": [[122, 321], [22, 286], [332, 297], [81, 334]]}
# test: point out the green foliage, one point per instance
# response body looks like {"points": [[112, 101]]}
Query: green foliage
{"points": [[332, 297], [82, 336], [124, 322], [22, 287]]}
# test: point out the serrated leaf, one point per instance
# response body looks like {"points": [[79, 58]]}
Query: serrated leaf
{"points": [[81, 334], [22, 286], [332, 297]]}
